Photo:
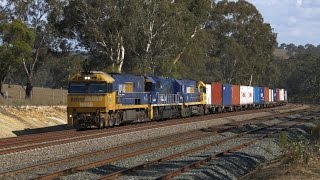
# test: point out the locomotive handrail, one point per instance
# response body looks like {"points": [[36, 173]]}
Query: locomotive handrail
{"points": [[168, 99]]}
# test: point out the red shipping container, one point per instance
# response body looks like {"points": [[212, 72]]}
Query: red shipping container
{"points": [[235, 95], [216, 93], [266, 94]]}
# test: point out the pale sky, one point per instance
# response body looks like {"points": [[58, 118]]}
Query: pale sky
{"points": [[295, 21]]}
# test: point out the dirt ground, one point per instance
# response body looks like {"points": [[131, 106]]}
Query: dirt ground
{"points": [[279, 171], [16, 119]]}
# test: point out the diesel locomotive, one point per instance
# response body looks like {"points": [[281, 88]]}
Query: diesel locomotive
{"points": [[99, 99]]}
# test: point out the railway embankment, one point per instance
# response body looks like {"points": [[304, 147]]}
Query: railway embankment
{"points": [[21, 120]]}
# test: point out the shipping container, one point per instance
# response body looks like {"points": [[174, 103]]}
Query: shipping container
{"points": [[261, 89], [270, 95], [227, 95], [246, 95], [216, 94], [275, 97], [266, 95], [281, 95], [286, 95], [257, 95], [243, 95], [208, 94], [235, 95], [278, 94], [250, 94]]}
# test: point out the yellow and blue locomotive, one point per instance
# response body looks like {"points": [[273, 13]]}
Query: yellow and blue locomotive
{"points": [[99, 99]]}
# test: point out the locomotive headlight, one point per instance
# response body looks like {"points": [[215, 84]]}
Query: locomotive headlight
{"points": [[87, 78], [70, 115]]}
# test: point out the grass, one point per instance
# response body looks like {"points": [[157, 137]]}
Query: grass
{"points": [[301, 150], [41, 96]]}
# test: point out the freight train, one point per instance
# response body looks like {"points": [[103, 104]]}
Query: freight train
{"points": [[104, 100]]}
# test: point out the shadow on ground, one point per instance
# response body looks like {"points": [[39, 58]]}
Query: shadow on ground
{"points": [[42, 130]]}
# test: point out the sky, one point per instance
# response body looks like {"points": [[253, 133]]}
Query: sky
{"points": [[295, 21]]}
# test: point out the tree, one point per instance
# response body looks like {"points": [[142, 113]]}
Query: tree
{"points": [[17, 41], [144, 37], [98, 27], [240, 23], [34, 14]]}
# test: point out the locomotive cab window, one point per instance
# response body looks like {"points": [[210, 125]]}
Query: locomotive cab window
{"points": [[148, 87], [90, 88]]}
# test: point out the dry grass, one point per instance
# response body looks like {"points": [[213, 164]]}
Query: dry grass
{"points": [[41, 96]]}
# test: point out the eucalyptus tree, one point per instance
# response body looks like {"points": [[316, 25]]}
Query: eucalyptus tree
{"points": [[98, 28], [241, 23], [34, 14], [17, 41], [143, 36]]}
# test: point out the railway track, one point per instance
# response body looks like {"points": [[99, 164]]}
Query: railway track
{"points": [[12, 141], [172, 174], [12, 145], [187, 137]]}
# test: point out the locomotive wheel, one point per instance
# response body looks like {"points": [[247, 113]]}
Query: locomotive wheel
{"points": [[111, 121], [102, 123], [156, 114], [118, 118]]}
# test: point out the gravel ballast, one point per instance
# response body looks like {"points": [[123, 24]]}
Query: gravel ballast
{"points": [[36, 156], [23, 159]]}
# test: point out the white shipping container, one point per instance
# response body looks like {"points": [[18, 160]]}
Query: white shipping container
{"points": [[250, 95], [281, 95], [270, 95], [272, 98], [208, 93], [246, 95], [285, 95], [243, 95]]}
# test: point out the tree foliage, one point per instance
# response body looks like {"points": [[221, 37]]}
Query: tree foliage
{"points": [[243, 44], [33, 13], [17, 42], [300, 73], [226, 41]]}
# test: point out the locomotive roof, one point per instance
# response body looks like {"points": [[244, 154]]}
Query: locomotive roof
{"points": [[94, 76]]}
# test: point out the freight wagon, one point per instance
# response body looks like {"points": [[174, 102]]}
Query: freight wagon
{"points": [[99, 99]]}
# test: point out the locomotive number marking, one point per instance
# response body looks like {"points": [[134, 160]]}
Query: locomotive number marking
{"points": [[86, 104]]}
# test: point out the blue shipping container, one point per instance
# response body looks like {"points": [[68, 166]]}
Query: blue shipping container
{"points": [[275, 97], [262, 100], [257, 95], [226, 95]]}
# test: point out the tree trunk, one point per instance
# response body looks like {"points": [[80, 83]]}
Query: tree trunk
{"points": [[1, 88], [250, 80], [29, 88], [121, 54], [2, 79]]}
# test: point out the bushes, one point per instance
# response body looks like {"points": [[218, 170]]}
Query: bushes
{"points": [[301, 150]]}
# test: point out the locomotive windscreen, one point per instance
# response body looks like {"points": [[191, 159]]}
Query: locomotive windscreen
{"points": [[90, 88]]}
